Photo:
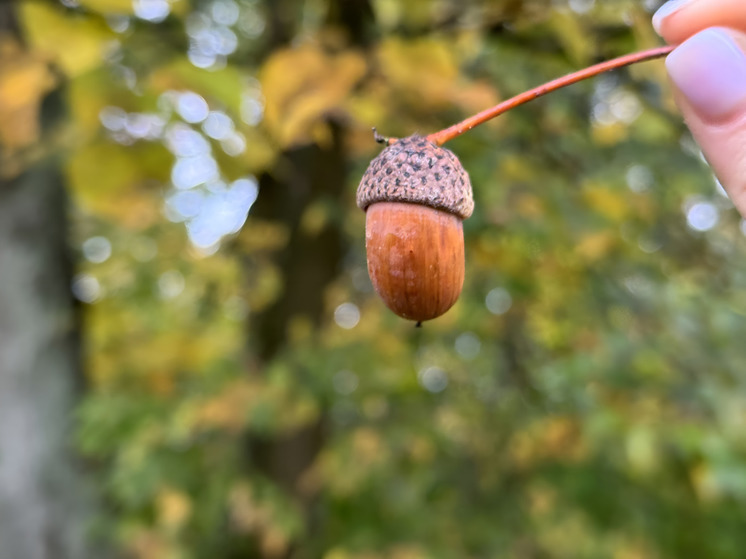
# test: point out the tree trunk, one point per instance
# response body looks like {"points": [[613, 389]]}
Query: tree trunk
{"points": [[309, 263], [44, 502], [42, 511]]}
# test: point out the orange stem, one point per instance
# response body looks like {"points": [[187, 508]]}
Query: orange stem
{"points": [[440, 138]]}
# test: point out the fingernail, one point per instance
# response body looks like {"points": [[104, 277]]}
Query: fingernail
{"points": [[666, 10], [710, 70]]}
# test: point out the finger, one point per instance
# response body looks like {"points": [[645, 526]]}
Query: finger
{"points": [[708, 72], [678, 20]]}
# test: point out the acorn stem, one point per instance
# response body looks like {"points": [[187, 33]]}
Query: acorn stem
{"points": [[379, 138], [441, 137]]}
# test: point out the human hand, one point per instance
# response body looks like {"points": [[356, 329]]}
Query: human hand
{"points": [[708, 72]]}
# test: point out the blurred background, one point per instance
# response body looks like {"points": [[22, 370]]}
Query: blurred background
{"points": [[193, 362]]}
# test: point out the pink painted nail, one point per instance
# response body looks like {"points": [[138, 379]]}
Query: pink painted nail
{"points": [[666, 10], [710, 70]]}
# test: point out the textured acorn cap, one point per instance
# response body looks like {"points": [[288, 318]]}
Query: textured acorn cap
{"points": [[417, 171]]}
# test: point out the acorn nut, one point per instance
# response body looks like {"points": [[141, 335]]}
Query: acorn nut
{"points": [[415, 195]]}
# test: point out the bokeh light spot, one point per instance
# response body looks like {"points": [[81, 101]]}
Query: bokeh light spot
{"points": [[252, 110], [86, 288], [433, 379], [251, 24], [468, 345], [581, 6], [345, 382], [218, 125], [222, 211], [498, 301], [171, 284], [189, 172], [118, 23], [153, 11], [192, 107], [702, 216], [186, 204], [625, 106], [347, 315], [639, 178], [234, 144], [113, 118], [97, 249], [236, 308], [182, 141], [224, 12], [143, 249]]}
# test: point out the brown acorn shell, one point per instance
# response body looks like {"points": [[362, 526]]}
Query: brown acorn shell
{"points": [[417, 171], [415, 258]]}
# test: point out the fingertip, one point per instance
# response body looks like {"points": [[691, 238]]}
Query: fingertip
{"points": [[664, 12], [709, 69], [677, 20]]}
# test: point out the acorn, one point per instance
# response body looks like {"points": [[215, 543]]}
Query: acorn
{"points": [[415, 195]]}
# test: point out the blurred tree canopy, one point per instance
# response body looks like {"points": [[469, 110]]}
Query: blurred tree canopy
{"points": [[247, 393]]}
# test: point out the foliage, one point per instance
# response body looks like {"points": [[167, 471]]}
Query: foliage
{"points": [[585, 398]]}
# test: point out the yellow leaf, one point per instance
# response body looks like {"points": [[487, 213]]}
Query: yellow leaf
{"points": [[76, 43], [557, 438], [407, 551], [260, 235], [126, 7], [302, 86], [542, 499], [425, 70], [101, 169], [106, 179], [570, 31], [475, 97], [227, 411], [610, 134], [262, 154], [24, 80], [530, 206], [274, 542], [174, 509], [415, 13], [596, 245], [87, 95], [642, 450], [223, 86], [264, 287], [109, 6], [609, 203], [315, 218], [705, 483], [517, 168], [144, 543], [367, 446], [337, 553]]}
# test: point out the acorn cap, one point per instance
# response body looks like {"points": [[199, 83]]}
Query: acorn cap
{"points": [[417, 171]]}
